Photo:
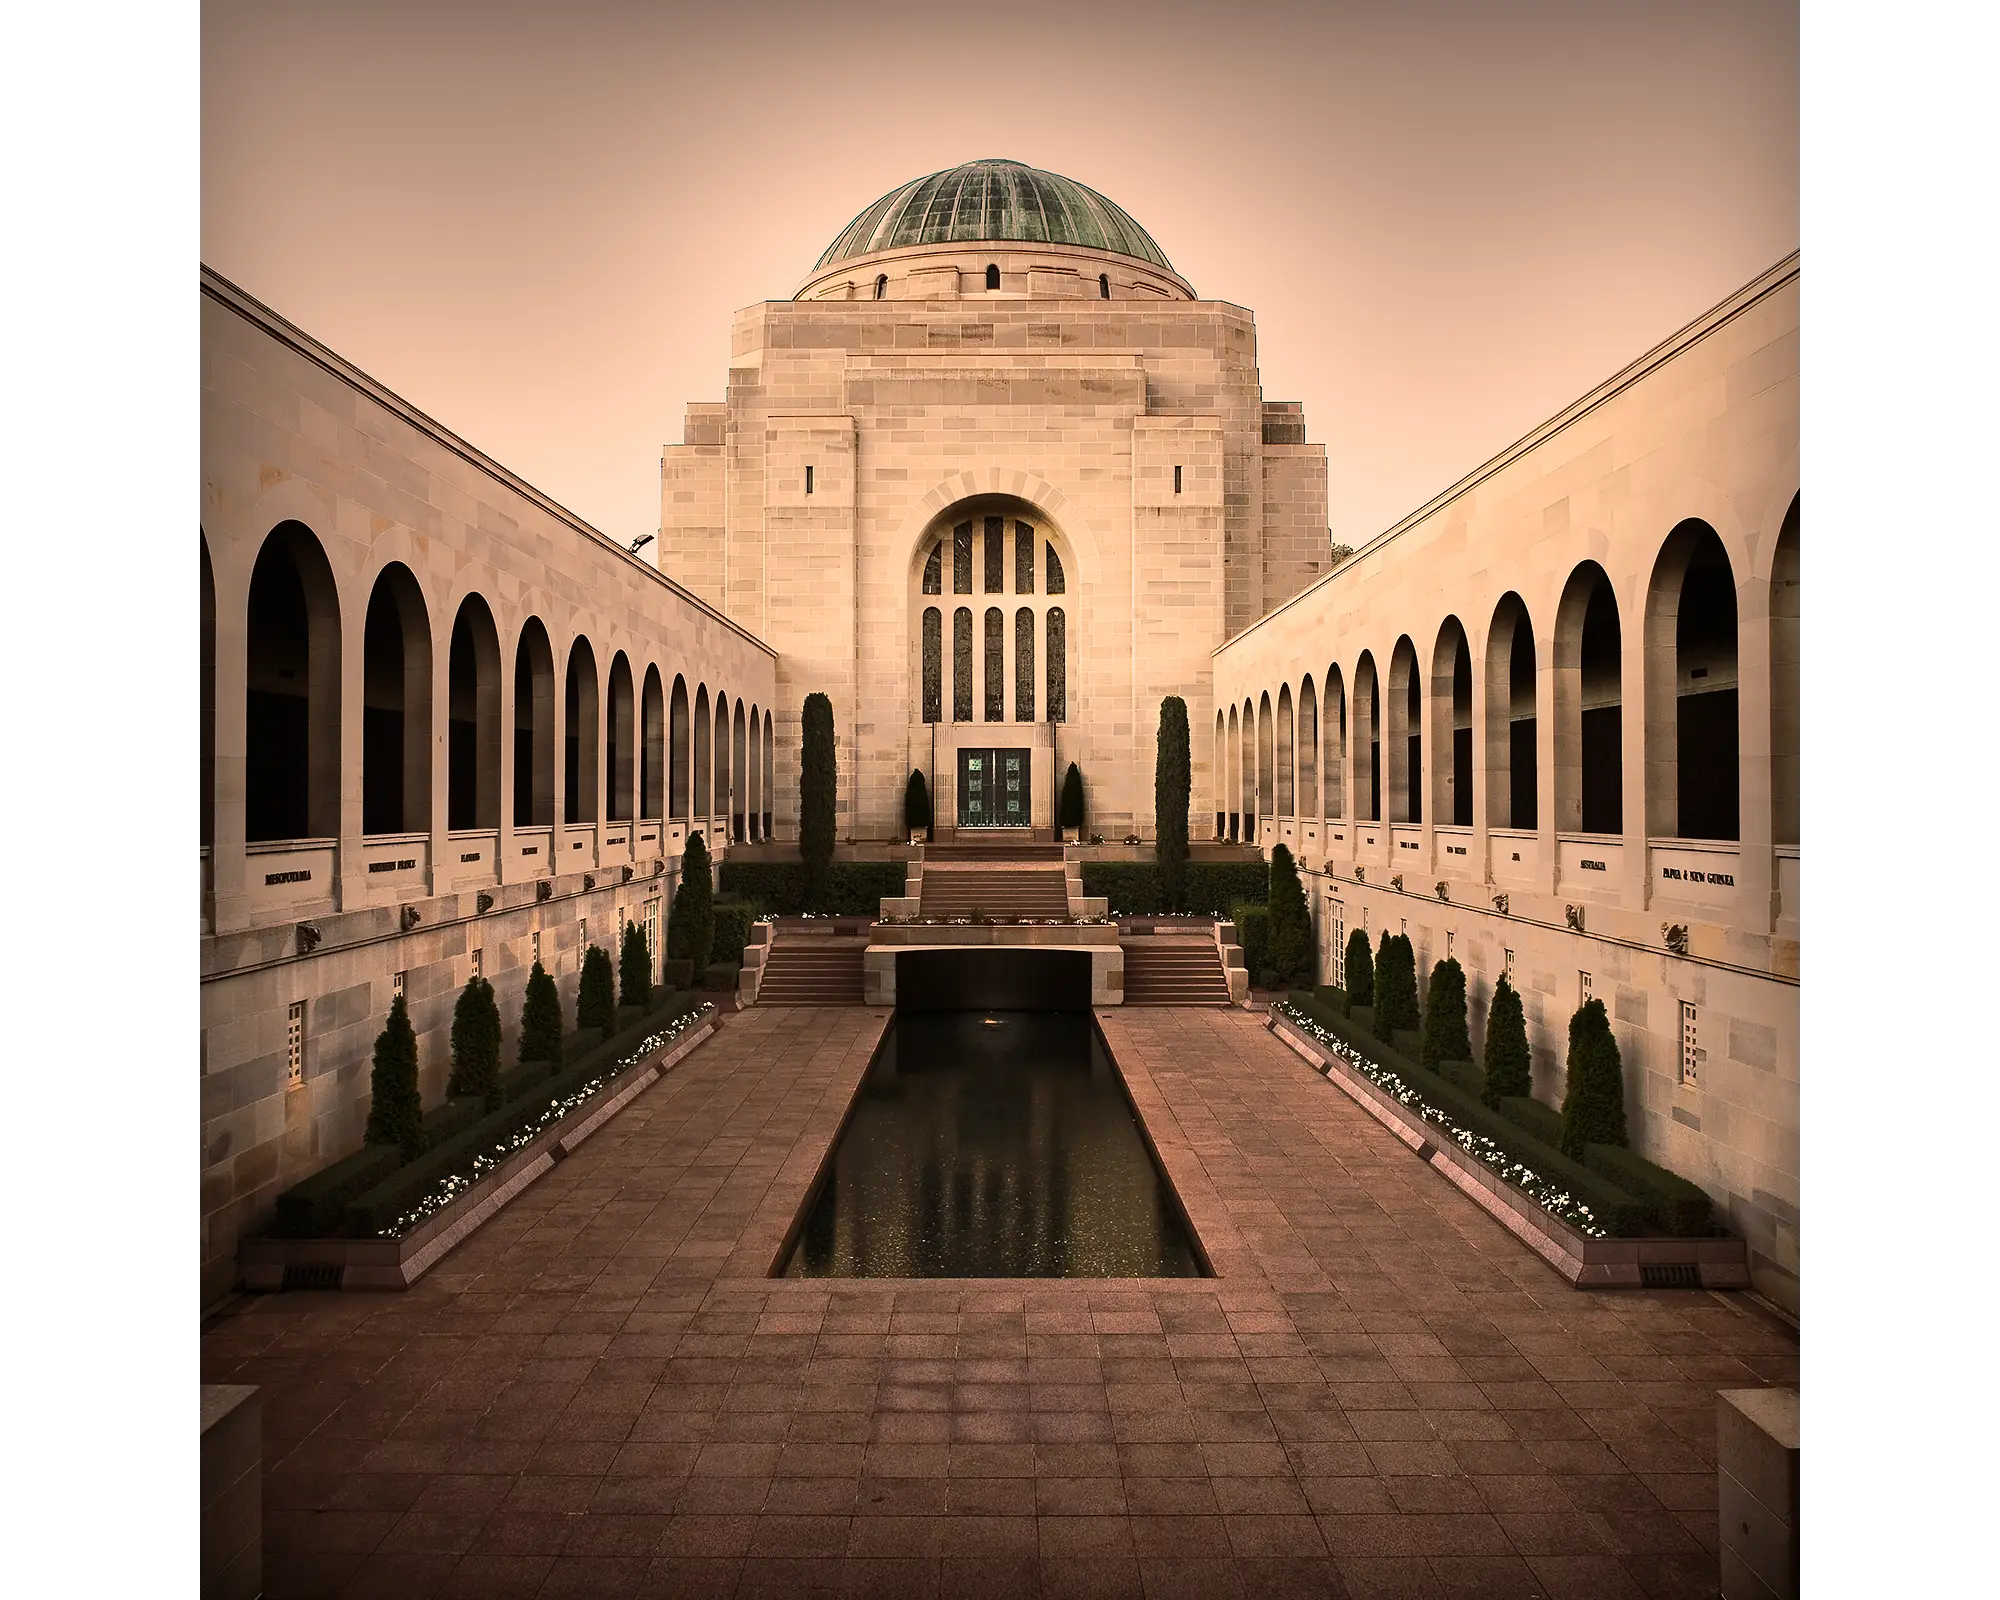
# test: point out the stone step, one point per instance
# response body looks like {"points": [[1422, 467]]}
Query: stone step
{"points": [[1183, 972]]}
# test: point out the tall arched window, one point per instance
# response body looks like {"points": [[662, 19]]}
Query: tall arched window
{"points": [[618, 742], [1367, 740], [1785, 681], [1406, 725], [992, 276], [1308, 748], [473, 791], [1104, 286], [1024, 558], [291, 787], [1451, 715], [580, 734], [1589, 700], [652, 748], [881, 284], [396, 706], [680, 753], [704, 744], [1058, 656], [1335, 713], [739, 773], [961, 664], [933, 663], [961, 559], [1510, 717], [1054, 585], [1691, 687], [996, 665], [534, 728], [934, 570], [1024, 664]]}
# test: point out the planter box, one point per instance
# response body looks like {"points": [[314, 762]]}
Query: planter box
{"points": [[1664, 1262], [270, 1263]]}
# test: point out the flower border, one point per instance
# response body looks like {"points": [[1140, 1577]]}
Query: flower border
{"points": [[1556, 1201], [456, 1185]]}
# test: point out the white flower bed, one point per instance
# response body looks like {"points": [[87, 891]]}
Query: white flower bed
{"points": [[1558, 1202], [452, 1187]]}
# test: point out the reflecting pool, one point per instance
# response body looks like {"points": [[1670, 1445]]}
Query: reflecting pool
{"points": [[992, 1145]]}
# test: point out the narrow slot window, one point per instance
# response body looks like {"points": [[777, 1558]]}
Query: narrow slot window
{"points": [[1177, 480], [809, 480], [295, 1045], [1104, 286], [992, 276], [881, 286]]}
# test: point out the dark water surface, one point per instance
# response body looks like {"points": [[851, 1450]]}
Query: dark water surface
{"points": [[992, 1145]]}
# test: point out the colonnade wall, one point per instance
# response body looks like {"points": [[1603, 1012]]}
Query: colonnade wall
{"points": [[446, 727], [1550, 721]]}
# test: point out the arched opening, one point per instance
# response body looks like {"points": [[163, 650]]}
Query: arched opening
{"points": [[719, 810], [1367, 740], [291, 731], [1249, 770], [1221, 771], [1024, 663], [534, 728], [770, 773], [881, 284], [754, 775], [1510, 717], [933, 629], [1287, 753], [1333, 713], [652, 747], [207, 696], [739, 773], [679, 752], [1058, 655], [1590, 760], [1104, 286], [1052, 582], [992, 276], [619, 731], [1691, 734], [1451, 715], [1406, 734], [1308, 749], [472, 794], [580, 734], [996, 665], [961, 664], [1785, 681], [1266, 758], [1233, 777], [704, 772]]}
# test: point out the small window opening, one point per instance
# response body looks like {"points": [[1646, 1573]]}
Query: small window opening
{"points": [[1507, 964], [401, 978], [809, 480], [1583, 988], [992, 276], [479, 963], [535, 948], [1692, 1054], [1104, 286], [295, 1045], [1177, 480], [881, 285], [582, 940]]}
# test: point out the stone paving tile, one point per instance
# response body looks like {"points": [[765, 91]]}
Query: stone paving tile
{"points": [[1380, 1393]]}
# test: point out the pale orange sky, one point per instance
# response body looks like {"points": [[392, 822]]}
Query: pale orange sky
{"points": [[535, 221]]}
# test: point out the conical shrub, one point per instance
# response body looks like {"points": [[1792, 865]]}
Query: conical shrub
{"points": [[395, 1103], [1445, 1036], [1358, 970], [1385, 972], [1395, 987], [1593, 1110], [1290, 952], [819, 783], [691, 924], [635, 969], [916, 804], [596, 995], [542, 1021], [1171, 784], [1069, 809], [1508, 1064], [475, 1042]]}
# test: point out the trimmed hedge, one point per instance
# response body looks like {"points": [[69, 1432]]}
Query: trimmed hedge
{"points": [[1139, 889], [719, 977], [853, 888], [1253, 933], [1333, 997], [732, 920]]}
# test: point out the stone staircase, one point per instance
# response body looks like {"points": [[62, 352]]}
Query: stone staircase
{"points": [[1012, 889], [1165, 970], [812, 970]]}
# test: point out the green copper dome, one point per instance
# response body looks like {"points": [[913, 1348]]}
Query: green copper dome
{"points": [[995, 200]]}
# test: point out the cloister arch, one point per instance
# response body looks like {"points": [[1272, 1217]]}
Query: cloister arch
{"points": [[680, 753], [580, 733], [652, 748], [1233, 775], [1451, 718], [770, 773], [1266, 757], [1406, 722], [754, 774], [619, 731], [1367, 740], [1308, 748], [1248, 756], [1511, 775], [704, 744], [472, 784], [1285, 756], [207, 696], [1335, 715], [291, 779], [1221, 771], [719, 802], [1785, 681], [1692, 787], [534, 728], [1589, 705], [739, 775]]}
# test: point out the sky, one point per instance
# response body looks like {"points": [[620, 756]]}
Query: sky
{"points": [[534, 222]]}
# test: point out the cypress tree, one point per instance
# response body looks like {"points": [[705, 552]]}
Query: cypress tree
{"points": [[1445, 1036], [691, 924], [1395, 987], [1359, 971], [596, 998], [395, 1103], [541, 1022], [1069, 810], [1385, 971], [1291, 925], [1593, 1110], [916, 804], [1172, 784], [818, 781], [635, 969], [475, 1042], [1507, 1060]]}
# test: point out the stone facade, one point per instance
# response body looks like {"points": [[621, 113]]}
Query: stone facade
{"points": [[328, 501], [1646, 540]]}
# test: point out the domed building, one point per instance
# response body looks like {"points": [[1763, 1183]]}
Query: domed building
{"points": [[995, 479]]}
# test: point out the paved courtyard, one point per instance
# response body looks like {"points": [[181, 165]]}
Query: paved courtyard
{"points": [[1382, 1393]]}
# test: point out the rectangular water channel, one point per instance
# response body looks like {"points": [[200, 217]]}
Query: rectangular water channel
{"points": [[995, 1144]]}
